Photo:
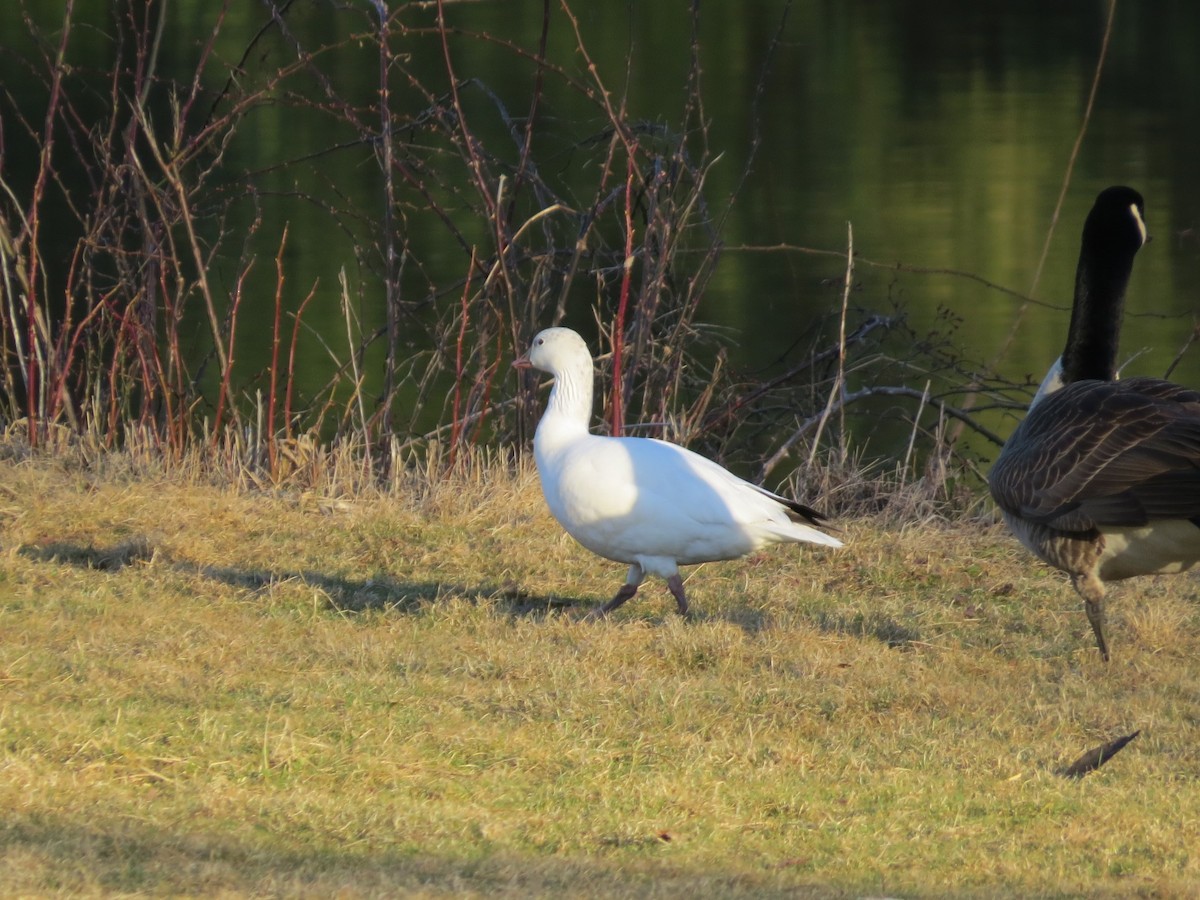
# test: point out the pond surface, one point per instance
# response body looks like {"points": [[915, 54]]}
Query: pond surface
{"points": [[942, 133]]}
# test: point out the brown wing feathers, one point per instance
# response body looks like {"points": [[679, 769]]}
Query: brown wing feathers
{"points": [[1105, 453]]}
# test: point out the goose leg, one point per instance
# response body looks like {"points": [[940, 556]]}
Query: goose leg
{"points": [[1095, 614], [675, 583], [628, 589], [1091, 589]]}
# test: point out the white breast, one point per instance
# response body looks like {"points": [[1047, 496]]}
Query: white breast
{"points": [[1161, 548]]}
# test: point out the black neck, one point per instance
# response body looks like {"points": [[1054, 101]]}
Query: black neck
{"points": [[1095, 332]]}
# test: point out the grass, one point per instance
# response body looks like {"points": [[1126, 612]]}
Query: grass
{"points": [[210, 690]]}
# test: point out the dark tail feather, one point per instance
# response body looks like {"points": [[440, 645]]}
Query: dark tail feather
{"points": [[798, 512], [805, 515], [1096, 757]]}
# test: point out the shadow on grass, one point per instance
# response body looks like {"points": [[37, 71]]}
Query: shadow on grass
{"points": [[882, 628], [871, 626], [385, 593], [116, 856], [381, 592], [102, 559], [341, 593]]}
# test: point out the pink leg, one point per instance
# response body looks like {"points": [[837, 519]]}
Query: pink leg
{"points": [[628, 589], [675, 583], [625, 593]]}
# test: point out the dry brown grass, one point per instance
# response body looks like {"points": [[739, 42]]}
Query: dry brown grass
{"points": [[224, 691]]}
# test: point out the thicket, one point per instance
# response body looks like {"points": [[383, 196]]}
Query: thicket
{"points": [[130, 233]]}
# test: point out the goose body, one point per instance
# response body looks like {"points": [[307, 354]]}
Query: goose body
{"points": [[647, 503], [1102, 478]]}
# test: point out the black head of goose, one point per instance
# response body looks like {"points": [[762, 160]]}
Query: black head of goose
{"points": [[1102, 478], [1113, 233]]}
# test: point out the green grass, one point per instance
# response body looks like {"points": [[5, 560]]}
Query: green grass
{"points": [[210, 691]]}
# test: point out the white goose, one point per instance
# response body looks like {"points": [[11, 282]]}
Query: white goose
{"points": [[641, 501], [1102, 478]]}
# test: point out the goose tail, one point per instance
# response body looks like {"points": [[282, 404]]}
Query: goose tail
{"points": [[810, 535]]}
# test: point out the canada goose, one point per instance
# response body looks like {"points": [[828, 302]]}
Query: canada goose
{"points": [[1102, 478], [641, 501]]}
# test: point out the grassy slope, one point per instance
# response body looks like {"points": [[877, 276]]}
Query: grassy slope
{"points": [[210, 691]]}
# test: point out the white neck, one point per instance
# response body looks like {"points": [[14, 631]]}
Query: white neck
{"points": [[570, 408]]}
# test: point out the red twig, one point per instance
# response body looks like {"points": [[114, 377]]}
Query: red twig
{"points": [[489, 378], [291, 373], [62, 349], [532, 117], [201, 65], [474, 163], [618, 338], [227, 368], [113, 402], [39, 189], [274, 373], [391, 285], [456, 423]]}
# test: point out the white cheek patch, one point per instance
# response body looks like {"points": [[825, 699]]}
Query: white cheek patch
{"points": [[1141, 223], [1051, 383]]}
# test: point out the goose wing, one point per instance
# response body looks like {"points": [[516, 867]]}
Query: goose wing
{"points": [[741, 498], [1102, 453], [630, 497]]}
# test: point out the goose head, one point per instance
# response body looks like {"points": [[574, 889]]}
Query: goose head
{"points": [[1116, 226], [1113, 233], [556, 350], [562, 353]]}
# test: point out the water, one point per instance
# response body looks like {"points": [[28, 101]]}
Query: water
{"points": [[940, 132], [944, 134]]}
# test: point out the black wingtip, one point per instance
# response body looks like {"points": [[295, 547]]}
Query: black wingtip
{"points": [[1096, 757], [798, 512]]}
